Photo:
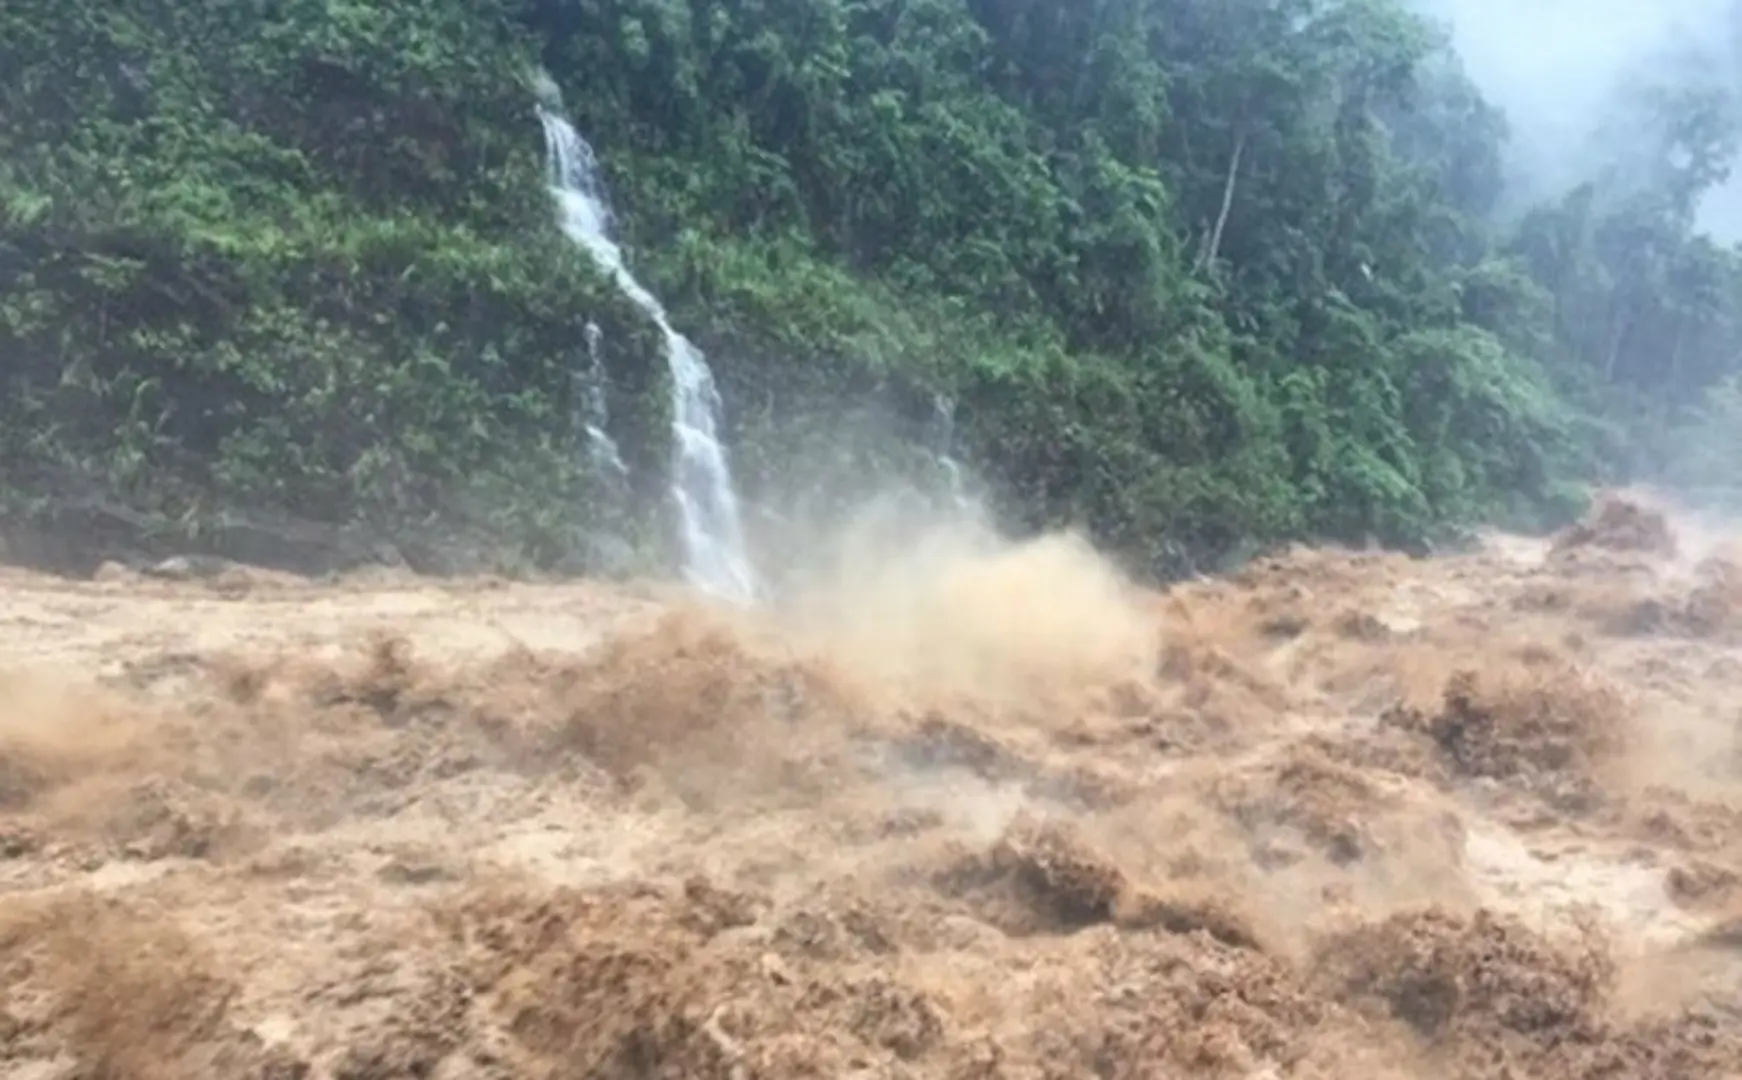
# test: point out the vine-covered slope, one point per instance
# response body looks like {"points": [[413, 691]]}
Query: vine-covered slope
{"points": [[1198, 274]]}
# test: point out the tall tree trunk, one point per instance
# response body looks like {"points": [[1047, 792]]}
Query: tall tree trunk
{"points": [[1215, 246], [1619, 326]]}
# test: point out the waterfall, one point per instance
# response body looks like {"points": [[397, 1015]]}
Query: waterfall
{"points": [[713, 534], [943, 443], [595, 413]]}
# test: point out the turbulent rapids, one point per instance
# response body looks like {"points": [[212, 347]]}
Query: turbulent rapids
{"points": [[959, 813]]}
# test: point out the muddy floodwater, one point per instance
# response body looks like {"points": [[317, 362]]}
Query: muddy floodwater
{"points": [[990, 814]]}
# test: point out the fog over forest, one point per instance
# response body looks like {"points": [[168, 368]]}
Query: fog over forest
{"points": [[1555, 66]]}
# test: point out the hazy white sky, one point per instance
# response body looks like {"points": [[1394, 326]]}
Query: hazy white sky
{"points": [[1551, 63]]}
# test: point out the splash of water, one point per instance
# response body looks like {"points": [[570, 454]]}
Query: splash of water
{"points": [[713, 533], [595, 412]]}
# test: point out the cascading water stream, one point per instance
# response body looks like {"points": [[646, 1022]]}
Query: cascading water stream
{"points": [[595, 414], [943, 440], [713, 533]]}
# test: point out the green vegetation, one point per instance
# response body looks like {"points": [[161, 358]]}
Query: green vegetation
{"points": [[1200, 274]]}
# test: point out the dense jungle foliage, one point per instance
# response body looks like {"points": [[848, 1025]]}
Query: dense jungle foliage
{"points": [[1197, 274]]}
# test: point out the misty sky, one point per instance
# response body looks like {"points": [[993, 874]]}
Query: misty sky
{"points": [[1551, 63]]}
